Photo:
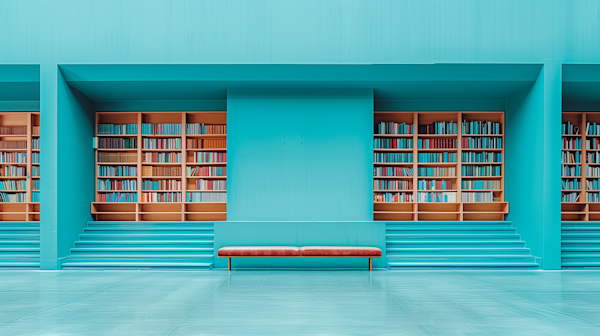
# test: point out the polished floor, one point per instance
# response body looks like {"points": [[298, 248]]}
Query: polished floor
{"points": [[300, 303]]}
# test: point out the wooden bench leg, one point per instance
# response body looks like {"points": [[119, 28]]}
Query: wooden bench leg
{"points": [[229, 264], [370, 264]]}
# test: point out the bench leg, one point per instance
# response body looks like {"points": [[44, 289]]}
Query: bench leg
{"points": [[229, 264], [370, 264]]}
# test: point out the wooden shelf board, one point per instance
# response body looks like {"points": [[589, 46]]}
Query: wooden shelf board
{"points": [[13, 191], [206, 149], [116, 149], [393, 163], [393, 177], [117, 163], [482, 149], [14, 135], [163, 177], [160, 190], [208, 177], [441, 164], [116, 135], [161, 150], [161, 163], [437, 149], [206, 190], [393, 135], [117, 177], [447, 190], [206, 164], [401, 191], [482, 177], [437, 135], [161, 135], [13, 164], [392, 150], [437, 177], [12, 177]]}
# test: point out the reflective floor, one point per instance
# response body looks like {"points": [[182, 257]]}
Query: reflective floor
{"points": [[300, 303]]}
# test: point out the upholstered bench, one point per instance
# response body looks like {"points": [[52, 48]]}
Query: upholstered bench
{"points": [[231, 252]]}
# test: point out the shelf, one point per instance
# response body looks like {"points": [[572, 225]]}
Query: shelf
{"points": [[208, 177], [116, 149], [162, 191], [482, 149], [23, 150], [161, 150], [206, 135], [117, 177], [576, 135], [13, 191], [163, 177], [393, 177], [441, 164], [437, 149], [437, 135], [13, 177], [396, 191], [429, 190], [14, 135], [206, 149], [117, 163], [393, 150], [571, 150], [393, 163], [206, 190], [161, 163], [206, 164], [482, 177], [123, 191], [483, 135], [436, 177], [116, 135], [161, 135], [393, 135]]}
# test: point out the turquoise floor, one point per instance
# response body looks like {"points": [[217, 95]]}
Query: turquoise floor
{"points": [[300, 303]]}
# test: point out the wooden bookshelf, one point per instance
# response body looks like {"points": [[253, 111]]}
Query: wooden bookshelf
{"points": [[171, 176], [450, 208], [27, 131], [580, 202]]}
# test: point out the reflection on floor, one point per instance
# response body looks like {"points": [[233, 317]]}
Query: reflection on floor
{"points": [[300, 303]]}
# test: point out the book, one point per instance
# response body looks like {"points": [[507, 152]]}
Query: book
{"points": [[391, 127], [13, 130], [441, 127], [13, 185], [434, 185], [108, 184], [117, 197], [210, 157], [482, 142], [13, 144], [210, 184], [436, 143], [480, 184], [571, 197], [393, 143], [480, 127], [161, 171], [117, 171], [571, 157], [206, 171], [116, 143], [201, 128], [13, 197], [437, 197], [206, 143], [478, 196], [393, 157], [207, 197], [13, 157], [13, 171], [392, 184], [481, 156], [161, 129], [590, 184], [108, 129], [475, 170], [170, 184], [571, 170], [436, 171], [392, 171], [161, 197], [590, 197], [397, 197], [572, 143], [117, 157], [35, 143], [167, 143], [162, 157], [35, 196], [437, 157]]}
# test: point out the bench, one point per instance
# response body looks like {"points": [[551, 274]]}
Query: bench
{"points": [[231, 252]]}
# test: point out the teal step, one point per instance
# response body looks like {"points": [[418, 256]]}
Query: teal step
{"points": [[452, 236], [143, 245], [441, 228], [16, 235], [19, 264], [493, 264], [141, 249], [134, 265], [442, 250], [145, 242]]}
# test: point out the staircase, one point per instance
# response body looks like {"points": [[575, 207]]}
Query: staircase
{"points": [[580, 244], [20, 245], [143, 245], [456, 245]]}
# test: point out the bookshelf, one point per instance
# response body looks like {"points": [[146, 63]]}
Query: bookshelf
{"points": [[19, 166], [580, 162], [161, 166], [428, 171]]}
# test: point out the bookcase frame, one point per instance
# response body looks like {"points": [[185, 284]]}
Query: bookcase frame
{"points": [[161, 211], [442, 211], [21, 211], [582, 210]]}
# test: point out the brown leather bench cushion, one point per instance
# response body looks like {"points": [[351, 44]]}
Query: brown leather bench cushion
{"points": [[259, 251], [340, 251]]}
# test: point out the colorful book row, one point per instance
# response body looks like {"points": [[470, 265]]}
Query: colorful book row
{"points": [[206, 171], [116, 143], [437, 143], [393, 143], [117, 171], [480, 127], [441, 127], [390, 127], [161, 129], [117, 184], [162, 157], [13, 197], [201, 128], [13, 130], [572, 143], [437, 171], [108, 129], [392, 171], [436, 197], [480, 184], [478, 197], [397, 197], [393, 157], [481, 142], [392, 185], [13, 145], [206, 143], [205, 197], [437, 157], [162, 197], [161, 171], [13, 157], [169, 143], [117, 157], [13, 185], [471, 170], [13, 171], [162, 185]]}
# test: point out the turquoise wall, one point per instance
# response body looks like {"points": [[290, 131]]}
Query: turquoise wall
{"points": [[300, 155], [298, 32]]}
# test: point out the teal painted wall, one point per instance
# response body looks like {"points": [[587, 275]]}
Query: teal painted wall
{"points": [[68, 189], [299, 155], [301, 32]]}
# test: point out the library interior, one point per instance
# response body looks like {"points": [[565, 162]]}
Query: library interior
{"points": [[317, 168]]}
